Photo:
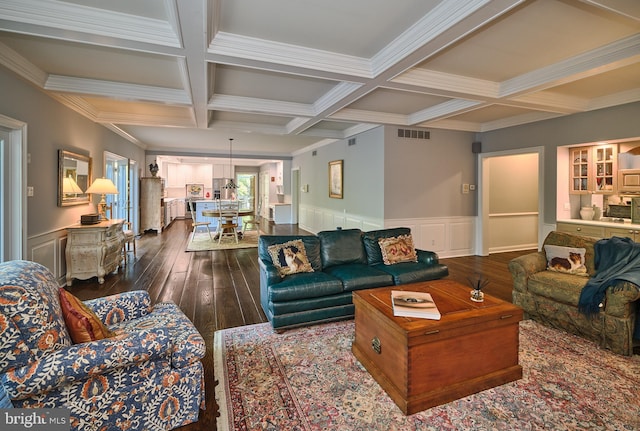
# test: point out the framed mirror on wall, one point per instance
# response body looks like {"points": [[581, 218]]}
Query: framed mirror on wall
{"points": [[74, 177]]}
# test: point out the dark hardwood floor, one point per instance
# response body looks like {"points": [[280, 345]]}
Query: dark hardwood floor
{"points": [[220, 289]]}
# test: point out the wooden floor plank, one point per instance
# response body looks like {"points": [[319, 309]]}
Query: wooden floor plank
{"points": [[221, 289]]}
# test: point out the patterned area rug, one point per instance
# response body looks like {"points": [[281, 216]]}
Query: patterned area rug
{"points": [[200, 242], [308, 379]]}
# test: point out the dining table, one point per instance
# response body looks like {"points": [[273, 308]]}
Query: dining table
{"points": [[216, 213]]}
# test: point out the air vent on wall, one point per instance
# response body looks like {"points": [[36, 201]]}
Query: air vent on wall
{"points": [[414, 134], [351, 141]]}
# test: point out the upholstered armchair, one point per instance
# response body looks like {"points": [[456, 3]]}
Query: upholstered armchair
{"points": [[145, 374]]}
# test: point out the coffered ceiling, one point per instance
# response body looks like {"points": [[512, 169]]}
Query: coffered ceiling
{"points": [[280, 76]]}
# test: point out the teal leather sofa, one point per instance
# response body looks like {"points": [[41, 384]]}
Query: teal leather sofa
{"points": [[342, 261]]}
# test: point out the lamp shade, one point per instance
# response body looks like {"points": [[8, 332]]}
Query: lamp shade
{"points": [[102, 186], [69, 186]]}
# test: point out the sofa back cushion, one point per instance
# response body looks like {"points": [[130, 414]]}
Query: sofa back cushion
{"points": [[311, 246], [566, 239], [31, 321], [340, 247], [372, 246]]}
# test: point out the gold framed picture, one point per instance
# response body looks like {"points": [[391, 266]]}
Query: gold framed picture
{"points": [[335, 179]]}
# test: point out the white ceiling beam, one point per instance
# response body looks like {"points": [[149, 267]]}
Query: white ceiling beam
{"points": [[131, 92], [238, 46], [222, 102], [193, 24], [448, 84], [84, 19], [617, 54]]}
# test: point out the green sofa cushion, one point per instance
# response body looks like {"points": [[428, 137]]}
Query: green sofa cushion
{"points": [[340, 247], [358, 276], [304, 285]]}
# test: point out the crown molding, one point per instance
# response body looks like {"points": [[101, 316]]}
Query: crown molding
{"points": [[445, 109], [144, 120], [362, 116], [518, 120], [237, 46], [335, 96], [446, 124], [609, 57], [23, 67], [133, 92], [620, 98], [117, 130], [447, 84], [259, 106], [77, 104], [79, 18]]}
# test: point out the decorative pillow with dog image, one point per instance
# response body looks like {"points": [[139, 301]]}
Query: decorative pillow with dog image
{"points": [[566, 259], [290, 257], [397, 249]]}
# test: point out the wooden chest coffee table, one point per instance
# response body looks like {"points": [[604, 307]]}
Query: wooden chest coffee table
{"points": [[423, 363]]}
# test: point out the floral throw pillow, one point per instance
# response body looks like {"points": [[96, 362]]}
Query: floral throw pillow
{"points": [[397, 249], [290, 257], [566, 259], [82, 323]]}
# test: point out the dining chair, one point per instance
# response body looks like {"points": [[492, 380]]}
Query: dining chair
{"points": [[252, 221], [228, 220], [196, 224]]}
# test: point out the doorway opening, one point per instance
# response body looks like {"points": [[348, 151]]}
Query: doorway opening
{"points": [[122, 171], [511, 201], [13, 185]]}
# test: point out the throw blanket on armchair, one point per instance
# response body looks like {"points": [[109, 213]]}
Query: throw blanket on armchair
{"points": [[615, 259]]}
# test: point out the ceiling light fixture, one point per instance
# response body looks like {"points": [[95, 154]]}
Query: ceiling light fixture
{"points": [[231, 184]]}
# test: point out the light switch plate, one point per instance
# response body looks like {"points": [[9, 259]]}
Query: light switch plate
{"points": [[465, 188]]}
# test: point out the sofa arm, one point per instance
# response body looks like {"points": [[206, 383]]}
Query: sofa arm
{"points": [[620, 299], [121, 307], [80, 361], [268, 273], [428, 257], [523, 267]]}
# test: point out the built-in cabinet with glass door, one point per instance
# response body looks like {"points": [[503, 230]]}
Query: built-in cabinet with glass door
{"points": [[593, 169]]}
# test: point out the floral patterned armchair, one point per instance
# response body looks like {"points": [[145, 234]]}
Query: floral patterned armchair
{"points": [[147, 376]]}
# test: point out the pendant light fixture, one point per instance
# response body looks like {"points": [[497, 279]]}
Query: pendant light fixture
{"points": [[231, 184]]}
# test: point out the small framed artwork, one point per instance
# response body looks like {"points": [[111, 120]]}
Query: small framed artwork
{"points": [[335, 179]]}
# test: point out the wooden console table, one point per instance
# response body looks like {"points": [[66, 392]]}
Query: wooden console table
{"points": [[94, 250]]}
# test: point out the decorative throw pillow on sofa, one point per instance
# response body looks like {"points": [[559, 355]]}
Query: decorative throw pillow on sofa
{"points": [[290, 257], [566, 259], [82, 323], [397, 249]]}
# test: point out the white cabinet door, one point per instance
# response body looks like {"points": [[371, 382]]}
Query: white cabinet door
{"points": [[203, 173]]}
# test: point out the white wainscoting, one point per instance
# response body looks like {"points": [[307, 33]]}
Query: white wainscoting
{"points": [[48, 249], [449, 237], [314, 220]]}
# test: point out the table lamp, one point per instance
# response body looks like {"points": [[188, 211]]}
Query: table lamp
{"points": [[70, 187], [103, 186]]}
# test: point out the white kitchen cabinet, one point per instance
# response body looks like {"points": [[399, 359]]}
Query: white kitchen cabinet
{"points": [[223, 171], [280, 213], [180, 174]]}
